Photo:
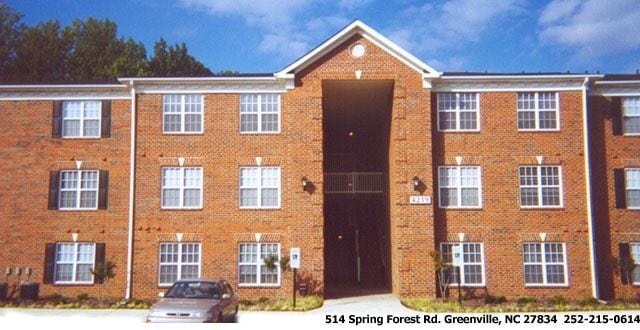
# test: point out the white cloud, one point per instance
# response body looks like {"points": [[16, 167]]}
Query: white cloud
{"points": [[593, 27], [353, 4], [279, 21], [432, 27]]}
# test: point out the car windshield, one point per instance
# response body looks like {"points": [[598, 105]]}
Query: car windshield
{"points": [[194, 289]]}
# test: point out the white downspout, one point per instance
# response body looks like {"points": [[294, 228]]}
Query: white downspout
{"points": [[132, 175], [587, 170]]}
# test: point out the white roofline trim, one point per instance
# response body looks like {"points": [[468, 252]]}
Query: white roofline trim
{"points": [[618, 82], [62, 87], [521, 77], [368, 33], [159, 80]]}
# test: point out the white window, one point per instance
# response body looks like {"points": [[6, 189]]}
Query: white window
{"points": [[259, 187], [81, 119], [182, 113], [459, 186], [634, 249], [632, 184], [74, 262], [182, 187], [538, 111], [540, 186], [472, 270], [178, 261], [78, 190], [260, 113], [545, 264], [251, 267], [458, 112], [631, 115]]}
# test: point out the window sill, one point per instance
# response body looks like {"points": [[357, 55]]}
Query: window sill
{"points": [[259, 286], [181, 208], [261, 133], [547, 286], [73, 284]]}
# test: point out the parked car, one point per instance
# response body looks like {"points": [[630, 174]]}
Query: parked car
{"points": [[196, 300]]}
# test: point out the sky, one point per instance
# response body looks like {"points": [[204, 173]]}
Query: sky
{"points": [[263, 36]]}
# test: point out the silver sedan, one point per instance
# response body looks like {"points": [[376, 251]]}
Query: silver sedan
{"points": [[196, 300]]}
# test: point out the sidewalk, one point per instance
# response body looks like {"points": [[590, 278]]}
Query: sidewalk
{"points": [[359, 306]]}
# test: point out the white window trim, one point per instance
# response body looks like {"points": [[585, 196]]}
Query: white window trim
{"points": [[75, 263], [260, 113], [183, 114], [482, 264], [82, 120], [459, 187], [624, 115], [636, 260], [627, 187], [179, 264], [181, 189], [539, 188], [259, 188], [78, 191], [458, 111], [537, 111], [544, 263], [259, 265]]}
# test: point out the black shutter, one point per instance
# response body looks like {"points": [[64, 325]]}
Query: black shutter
{"points": [[624, 256], [56, 131], [49, 263], [103, 190], [53, 190], [616, 116], [620, 189], [100, 253], [106, 119]]}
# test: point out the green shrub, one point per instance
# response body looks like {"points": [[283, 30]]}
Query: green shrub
{"points": [[263, 300], [527, 300], [83, 296], [491, 299], [558, 300], [590, 301]]}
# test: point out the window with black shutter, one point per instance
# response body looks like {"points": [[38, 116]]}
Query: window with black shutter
{"points": [[100, 258], [53, 189], [56, 123], [619, 186], [103, 190], [625, 262], [616, 116], [106, 119], [49, 263]]}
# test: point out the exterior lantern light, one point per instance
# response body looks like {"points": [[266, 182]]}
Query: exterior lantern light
{"points": [[416, 183], [304, 183]]}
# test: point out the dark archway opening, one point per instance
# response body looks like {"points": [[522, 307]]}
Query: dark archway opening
{"points": [[356, 130]]}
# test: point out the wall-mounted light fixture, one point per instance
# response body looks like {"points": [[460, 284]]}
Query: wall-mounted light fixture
{"points": [[304, 182], [416, 183]]}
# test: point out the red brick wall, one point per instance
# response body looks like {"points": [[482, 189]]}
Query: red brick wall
{"points": [[27, 154], [220, 225], [499, 148], [614, 226]]}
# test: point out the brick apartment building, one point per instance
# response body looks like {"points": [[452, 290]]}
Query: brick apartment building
{"points": [[358, 153]]}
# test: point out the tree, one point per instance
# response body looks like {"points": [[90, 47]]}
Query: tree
{"points": [[9, 32], [94, 48], [132, 61], [442, 273], [41, 53], [103, 273], [175, 61]]}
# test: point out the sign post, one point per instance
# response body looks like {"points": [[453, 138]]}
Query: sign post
{"points": [[456, 252], [294, 263]]}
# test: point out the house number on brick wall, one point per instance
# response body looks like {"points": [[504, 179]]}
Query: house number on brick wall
{"points": [[420, 200]]}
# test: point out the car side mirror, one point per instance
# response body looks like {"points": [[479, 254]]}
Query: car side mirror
{"points": [[226, 296], [160, 294]]}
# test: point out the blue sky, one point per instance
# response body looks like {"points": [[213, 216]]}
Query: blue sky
{"points": [[252, 36]]}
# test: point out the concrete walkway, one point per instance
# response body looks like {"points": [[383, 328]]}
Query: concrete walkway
{"points": [[374, 305]]}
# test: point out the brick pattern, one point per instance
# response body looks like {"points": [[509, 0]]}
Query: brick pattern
{"points": [[27, 155], [416, 148]]}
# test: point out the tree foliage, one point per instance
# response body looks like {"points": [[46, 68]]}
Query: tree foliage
{"points": [[85, 50]]}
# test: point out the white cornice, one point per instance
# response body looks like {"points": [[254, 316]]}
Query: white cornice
{"points": [[64, 92], [517, 83], [358, 27]]}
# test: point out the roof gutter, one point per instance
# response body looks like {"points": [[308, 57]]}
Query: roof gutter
{"points": [[587, 170], [132, 175]]}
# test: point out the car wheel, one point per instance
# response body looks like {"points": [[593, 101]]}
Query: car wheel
{"points": [[234, 317], [219, 319]]}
